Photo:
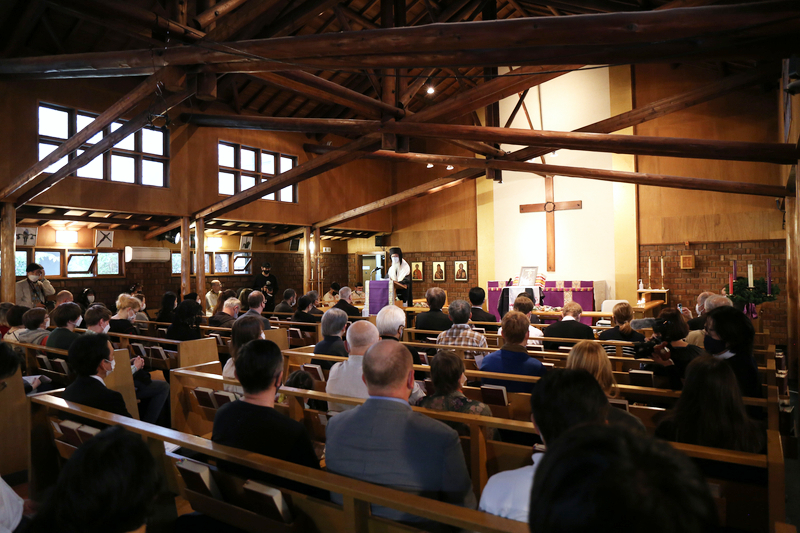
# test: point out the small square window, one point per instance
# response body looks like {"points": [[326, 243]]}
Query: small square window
{"points": [[248, 159], [287, 194], [267, 163], [241, 263], [247, 182], [20, 263], [286, 164], [108, 264], [176, 263], [80, 263], [50, 261], [53, 122], [226, 158], [44, 151], [226, 183], [152, 141], [93, 169], [207, 265], [123, 169], [152, 173], [125, 144], [83, 121], [222, 263]]}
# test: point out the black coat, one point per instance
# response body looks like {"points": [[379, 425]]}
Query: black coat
{"points": [[566, 329], [479, 315], [91, 393], [351, 310]]}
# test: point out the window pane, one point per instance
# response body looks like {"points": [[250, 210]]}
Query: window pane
{"points": [[44, 151], [152, 173], [176, 263], [51, 261], [53, 122], [152, 141], [248, 159], [270, 196], [286, 194], [84, 121], [94, 169], [222, 263], [108, 263], [267, 163], [207, 265], [20, 263], [80, 265], [226, 181], [122, 169], [225, 155], [126, 143], [247, 182], [286, 164], [241, 264]]}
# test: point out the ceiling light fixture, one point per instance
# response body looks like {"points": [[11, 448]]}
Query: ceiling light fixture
{"points": [[66, 237], [430, 90], [449, 167], [429, 165]]}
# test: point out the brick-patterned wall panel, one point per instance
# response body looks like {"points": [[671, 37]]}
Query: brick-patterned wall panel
{"points": [[456, 290], [334, 268], [713, 263]]}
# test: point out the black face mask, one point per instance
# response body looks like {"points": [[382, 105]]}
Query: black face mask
{"points": [[714, 346]]}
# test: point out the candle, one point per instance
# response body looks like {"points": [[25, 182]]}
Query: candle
{"points": [[662, 267], [769, 277], [734, 269], [730, 284], [750, 275], [649, 268]]}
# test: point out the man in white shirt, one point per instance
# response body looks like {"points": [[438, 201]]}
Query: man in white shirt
{"points": [[212, 296], [34, 289], [562, 399], [346, 378]]}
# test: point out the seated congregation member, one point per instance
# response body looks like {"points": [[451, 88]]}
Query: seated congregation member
{"points": [[303, 314], [247, 329], [287, 305], [4, 327], [14, 320], [168, 304], [86, 298], [384, 441], [91, 357], [601, 478], [35, 288], [185, 322], [461, 333], [710, 411], [97, 319], [253, 424], [62, 297], [34, 328], [697, 337], [729, 336], [345, 303], [699, 322], [590, 356], [622, 330], [524, 305], [674, 355], [110, 484], [212, 296], [476, 297], [333, 293], [562, 400], [447, 374], [243, 295], [345, 377], [223, 297], [228, 315], [569, 327], [391, 322], [434, 319], [67, 317], [314, 295], [359, 295], [513, 357], [334, 324], [122, 322], [255, 306]]}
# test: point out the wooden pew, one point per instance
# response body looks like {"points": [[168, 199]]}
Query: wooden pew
{"points": [[353, 516], [14, 426]]}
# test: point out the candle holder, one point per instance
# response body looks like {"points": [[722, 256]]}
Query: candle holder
{"points": [[662, 283], [649, 285]]}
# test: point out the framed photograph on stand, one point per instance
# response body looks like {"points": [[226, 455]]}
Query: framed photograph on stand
{"points": [[461, 271], [527, 276], [416, 271], [438, 271]]}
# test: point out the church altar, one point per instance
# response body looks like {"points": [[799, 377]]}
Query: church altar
{"points": [[559, 293]]}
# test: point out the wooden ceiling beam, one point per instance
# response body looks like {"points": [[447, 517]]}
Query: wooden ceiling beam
{"points": [[356, 17], [299, 17], [216, 12], [286, 236], [24, 26], [163, 229], [96, 220], [761, 29]]}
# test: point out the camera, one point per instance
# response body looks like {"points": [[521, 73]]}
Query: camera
{"points": [[644, 350]]}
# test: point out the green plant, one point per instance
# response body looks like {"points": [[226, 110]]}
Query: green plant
{"points": [[742, 294]]}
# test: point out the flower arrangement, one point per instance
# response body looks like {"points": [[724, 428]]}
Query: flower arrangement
{"points": [[757, 294]]}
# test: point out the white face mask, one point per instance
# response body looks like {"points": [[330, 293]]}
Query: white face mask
{"points": [[113, 364], [46, 322], [132, 315], [79, 321], [697, 308], [395, 260], [263, 337], [106, 328], [144, 306], [90, 298], [33, 277]]}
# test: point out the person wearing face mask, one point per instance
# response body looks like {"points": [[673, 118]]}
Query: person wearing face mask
{"points": [[67, 317], [228, 315], [400, 274], [698, 322], [672, 358], [267, 283], [86, 298], [127, 307], [729, 337], [34, 289], [287, 305], [91, 357]]}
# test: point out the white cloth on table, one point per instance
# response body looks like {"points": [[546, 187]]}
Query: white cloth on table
{"points": [[508, 493]]}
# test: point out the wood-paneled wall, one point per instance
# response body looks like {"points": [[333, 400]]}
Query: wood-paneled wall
{"points": [[676, 215]]}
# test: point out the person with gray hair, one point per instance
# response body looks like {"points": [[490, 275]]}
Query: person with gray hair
{"points": [[373, 442], [713, 301], [345, 378], [699, 321], [314, 295], [391, 322], [334, 324], [461, 333], [228, 315], [345, 303]]}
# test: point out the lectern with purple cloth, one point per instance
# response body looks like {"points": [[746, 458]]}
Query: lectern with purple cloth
{"points": [[559, 293], [379, 294]]}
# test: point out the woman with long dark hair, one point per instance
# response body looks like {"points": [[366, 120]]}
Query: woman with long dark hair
{"points": [[168, 303], [223, 297], [244, 330], [710, 411], [729, 337], [185, 323]]}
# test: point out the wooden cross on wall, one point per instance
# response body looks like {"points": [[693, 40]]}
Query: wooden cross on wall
{"points": [[550, 207]]}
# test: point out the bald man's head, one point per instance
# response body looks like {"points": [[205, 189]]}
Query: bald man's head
{"points": [[63, 297], [360, 336], [387, 366]]}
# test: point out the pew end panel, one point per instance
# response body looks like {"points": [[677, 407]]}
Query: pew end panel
{"points": [[121, 380], [14, 425]]}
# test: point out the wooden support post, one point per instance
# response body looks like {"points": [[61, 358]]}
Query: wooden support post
{"points": [[8, 248], [200, 251], [306, 260], [318, 260], [186, 257], [793, 281], [389, 81], [492, 112], [356, 514]]}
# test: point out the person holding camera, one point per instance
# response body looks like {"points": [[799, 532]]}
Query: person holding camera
{"points": [[670, 352]]}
